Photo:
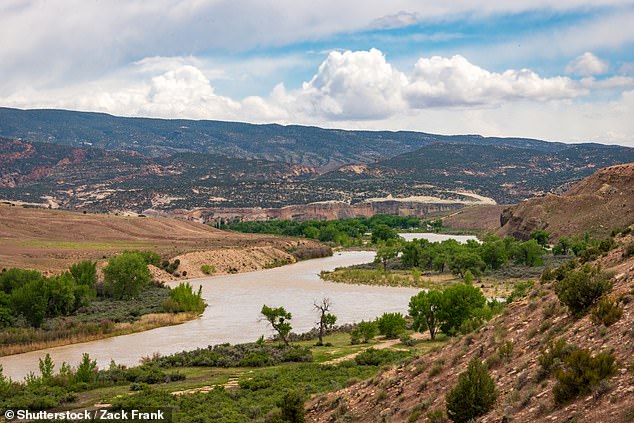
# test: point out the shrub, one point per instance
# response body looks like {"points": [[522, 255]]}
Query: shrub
{"points": [[182, 298], [629, 250], [580, 289], [292, 406], [581, 372], [363, 332], [473, 396], [208, 269], [552, 358], [606, 312], [391, 325], [84, 273], [374, 357]]}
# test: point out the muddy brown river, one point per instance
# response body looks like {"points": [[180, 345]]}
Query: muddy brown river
{"points": [[232, 315]]}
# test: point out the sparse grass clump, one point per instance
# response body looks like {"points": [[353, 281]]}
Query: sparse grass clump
{"points": [[208, 269]]}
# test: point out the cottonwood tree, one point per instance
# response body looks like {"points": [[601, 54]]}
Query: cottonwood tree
{"points": [[424, 308], [279, 319], [326, 319]]}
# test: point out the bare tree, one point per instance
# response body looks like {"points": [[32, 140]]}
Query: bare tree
{"points": [[326, 320]]}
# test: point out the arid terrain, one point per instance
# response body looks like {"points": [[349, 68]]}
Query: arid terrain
{"points": [[51, 240]]}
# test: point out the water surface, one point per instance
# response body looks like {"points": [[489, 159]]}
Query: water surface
{"points": [[432, 237]]}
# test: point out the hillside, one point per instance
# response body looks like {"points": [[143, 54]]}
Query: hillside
{"points": [[408, 392], [51, 240], [325, 149], [506, 173], [596, 205]]}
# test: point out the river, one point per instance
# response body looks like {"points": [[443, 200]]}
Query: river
{"points": [[232, 315]]}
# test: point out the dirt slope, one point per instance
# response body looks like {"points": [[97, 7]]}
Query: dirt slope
{"points": [[597, 204], [50, 240], [396, 394], [485, 217]]}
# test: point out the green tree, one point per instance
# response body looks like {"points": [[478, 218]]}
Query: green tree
{"points": [[529, 253], [279, 319], [87, 370], [473, 396], [61, 294], [459, 303], [31, 301], [424, 308], [541, 236], [391, 325], [326, 319], [493, 253], [385, 253], [382, 232], [464, 261], [182, 298], [126, 275], [46, 368]]}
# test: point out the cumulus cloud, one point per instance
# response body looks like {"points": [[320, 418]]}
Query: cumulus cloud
{"points": [[441, 81], [364, 85], [587, 65]]}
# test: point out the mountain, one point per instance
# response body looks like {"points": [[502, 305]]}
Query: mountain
{"points": [[308, 146], [506, 173], [596, 205]]}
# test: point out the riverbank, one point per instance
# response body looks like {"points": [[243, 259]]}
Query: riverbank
{"points": [[108, 330]]}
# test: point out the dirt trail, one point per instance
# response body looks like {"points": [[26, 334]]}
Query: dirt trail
{"points": [[385, 344]]}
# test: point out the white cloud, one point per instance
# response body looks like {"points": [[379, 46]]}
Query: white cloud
{"points": [[440, 81], [587, 65]]}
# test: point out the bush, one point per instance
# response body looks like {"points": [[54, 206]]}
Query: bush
{"points": [[292, 406], [391, 325], [580, 289], [363, 332], [473, 396], [581, 372], [629, 250], [208, 269], [606, 312], [126, 275], [183, 299], [552, 358], [374, 357]]}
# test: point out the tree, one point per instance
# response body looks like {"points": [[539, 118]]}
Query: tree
{"points": [[31, 300], [391, 325], [459, 303], [541, 236], [326, 320], [493, 253], [126, 275], [279, 319], [473, 396], [61, 294], [529, 253], [382, 232], [466, 260], [424, 308], [386, 252]]}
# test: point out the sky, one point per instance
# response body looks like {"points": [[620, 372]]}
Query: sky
{"points": [[554, 70]]}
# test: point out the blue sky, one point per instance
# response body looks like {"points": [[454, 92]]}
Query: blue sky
{"points": [[552, 70]]}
